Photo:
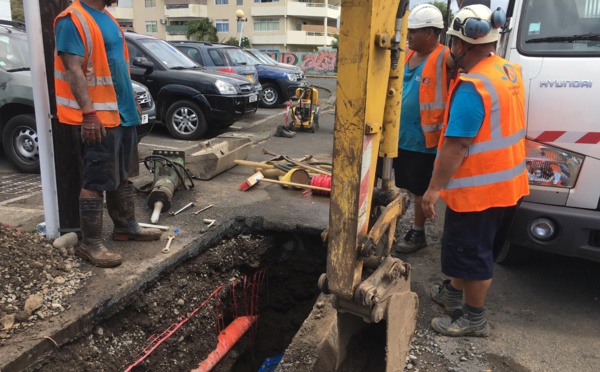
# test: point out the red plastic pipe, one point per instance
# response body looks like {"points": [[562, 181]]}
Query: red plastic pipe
{"points": [[227, 338]]}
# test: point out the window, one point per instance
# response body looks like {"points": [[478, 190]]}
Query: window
{"points": [[151, 27], [134, 52], [266, 1], [545, 21], [222, 25], [150, 4], [239, 2], [266, 24], [216, 58], [221, 2]]}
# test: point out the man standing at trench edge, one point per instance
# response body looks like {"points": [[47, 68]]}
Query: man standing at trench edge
{"points": [[480, 169], [94, 91]]}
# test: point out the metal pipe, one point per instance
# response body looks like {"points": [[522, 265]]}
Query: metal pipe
{"points": [[41, 101]]}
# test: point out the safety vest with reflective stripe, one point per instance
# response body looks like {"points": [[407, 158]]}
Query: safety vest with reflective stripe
{"points": [[493, 173], [433, 93], [96, 70]]}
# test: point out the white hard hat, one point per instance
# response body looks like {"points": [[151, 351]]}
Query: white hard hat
{"points": [[477, 24], [425, 15]]}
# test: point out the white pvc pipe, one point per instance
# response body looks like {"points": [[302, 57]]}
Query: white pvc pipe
{"points": [[42, 116]]}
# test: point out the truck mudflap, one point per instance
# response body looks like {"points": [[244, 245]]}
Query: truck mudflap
{"points": [[576, 230]]}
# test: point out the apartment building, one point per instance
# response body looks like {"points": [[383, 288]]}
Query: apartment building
{"points": [[271, 25], [5, 13]]}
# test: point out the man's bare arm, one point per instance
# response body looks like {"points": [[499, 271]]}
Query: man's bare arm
{"points": [[76, 78], [449, 159]]}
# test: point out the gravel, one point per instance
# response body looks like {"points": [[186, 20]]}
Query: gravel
{"points": [[37, 280]]}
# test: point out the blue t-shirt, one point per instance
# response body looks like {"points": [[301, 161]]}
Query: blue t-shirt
{"points": [[68, 40], [466, 111], [411, 136]]}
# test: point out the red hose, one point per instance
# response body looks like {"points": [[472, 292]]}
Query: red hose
{"points": [[227, 338], [321, 180]]}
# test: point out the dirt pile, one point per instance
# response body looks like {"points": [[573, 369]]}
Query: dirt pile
{"points": [[37, 280]]}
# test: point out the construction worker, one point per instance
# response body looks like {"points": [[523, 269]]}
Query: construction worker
{"points": [[480, 171], [423, 103], [94, 91]]}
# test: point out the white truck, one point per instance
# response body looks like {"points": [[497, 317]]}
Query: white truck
{"points": [[557, 43]]}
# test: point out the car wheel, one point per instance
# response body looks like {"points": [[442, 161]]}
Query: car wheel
{"points": [[511, 254], [270, 96], [185, 120], [20, 141]]}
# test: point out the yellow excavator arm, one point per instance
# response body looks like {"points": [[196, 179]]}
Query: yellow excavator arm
{"points": [[366, 281]]}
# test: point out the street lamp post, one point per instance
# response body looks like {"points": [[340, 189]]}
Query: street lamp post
{"points": [[240, 18]]}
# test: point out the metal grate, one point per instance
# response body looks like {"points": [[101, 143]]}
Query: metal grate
{"points": [[22, 183]]}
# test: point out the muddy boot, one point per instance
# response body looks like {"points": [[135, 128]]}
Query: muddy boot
{"points": [[121, 209], [91, 248]]}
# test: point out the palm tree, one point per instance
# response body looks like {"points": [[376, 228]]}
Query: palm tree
{"points": [[202, 30]]}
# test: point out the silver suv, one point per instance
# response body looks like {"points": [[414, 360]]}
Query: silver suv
{"points": [[17, 116]]}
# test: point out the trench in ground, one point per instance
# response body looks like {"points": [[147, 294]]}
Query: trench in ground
{"points": [[273, 276]]}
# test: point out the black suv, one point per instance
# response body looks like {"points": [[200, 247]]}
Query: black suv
{"points": [[188, 97]]}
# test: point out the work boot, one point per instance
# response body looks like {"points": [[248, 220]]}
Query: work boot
{"points": [[282, 131], [462, 322], [121, 209], [449, 299], [412, 242], [91, 248]]}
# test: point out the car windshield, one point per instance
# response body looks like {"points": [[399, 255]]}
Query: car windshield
{"points": [[252, 60], [170, 56], [263, 59], [236, 56], [560, 27], [14, 52]]}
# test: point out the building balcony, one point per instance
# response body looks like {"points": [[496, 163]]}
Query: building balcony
{"points": [[297, 9], [186, 11], [176, 30], [293, 38], [121, 13]]}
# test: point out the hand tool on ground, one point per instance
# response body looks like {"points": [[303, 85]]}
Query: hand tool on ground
{"points": [[254, 164], [209, 222], [299, 164], [169, 171], [258, 176], [161, 227], [202, 210], [187, 206], [166, 248]]}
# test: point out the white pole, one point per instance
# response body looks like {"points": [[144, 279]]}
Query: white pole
{"points": [[241, 31], [42, 116]]}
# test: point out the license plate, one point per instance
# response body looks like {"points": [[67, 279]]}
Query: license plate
{"points": [[250, 77], [253, 98], [145, 119]]}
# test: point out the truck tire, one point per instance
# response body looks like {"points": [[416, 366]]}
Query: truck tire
{"points": [[270, 96], [20, 142], [511, 254], [185, 120]]}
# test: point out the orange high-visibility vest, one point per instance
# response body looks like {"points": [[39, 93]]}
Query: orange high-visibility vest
{"points": [[493, 172], [433, 94], [96, 69]]}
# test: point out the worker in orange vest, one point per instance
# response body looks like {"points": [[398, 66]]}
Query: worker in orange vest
{"points": [[94, 91], [480, 170], [424, 95]]}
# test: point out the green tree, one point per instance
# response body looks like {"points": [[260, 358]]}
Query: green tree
{"points": [[336, 41], [202, 30], [443, 7], [16, 8], [231, 41]]}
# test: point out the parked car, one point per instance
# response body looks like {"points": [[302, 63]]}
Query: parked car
{"points": [[278, 83], [189, 99], [267, 60], [148, 106], [220, 57], [17, 115]]}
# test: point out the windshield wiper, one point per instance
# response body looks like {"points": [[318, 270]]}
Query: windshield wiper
{"points": [[565, 39], [19, 69], [179, 68]]}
